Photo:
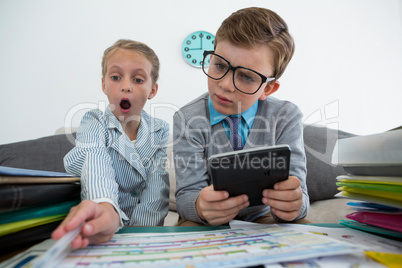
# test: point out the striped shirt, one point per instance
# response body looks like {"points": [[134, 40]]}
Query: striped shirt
{"points": [[129, 175]]}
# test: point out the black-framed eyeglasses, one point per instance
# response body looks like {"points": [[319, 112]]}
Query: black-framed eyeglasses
{"points": [[245, 80]]}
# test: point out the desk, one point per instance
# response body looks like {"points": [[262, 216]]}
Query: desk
{"points": [[170, 229], [206, 232], [174, 229]]}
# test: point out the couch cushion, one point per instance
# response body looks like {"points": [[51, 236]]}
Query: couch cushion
{"points": [[319, 143], [42, 154], [329, 211]]}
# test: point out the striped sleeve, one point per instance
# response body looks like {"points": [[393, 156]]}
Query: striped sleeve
{"points": [[90, 160]]}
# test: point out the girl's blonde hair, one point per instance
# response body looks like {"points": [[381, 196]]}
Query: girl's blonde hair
{"points": [[135, 46]]}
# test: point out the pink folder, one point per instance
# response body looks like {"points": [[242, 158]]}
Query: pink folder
{"points": [[388, 221]]}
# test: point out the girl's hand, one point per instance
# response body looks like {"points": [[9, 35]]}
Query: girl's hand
{"points": [[101, 219]]}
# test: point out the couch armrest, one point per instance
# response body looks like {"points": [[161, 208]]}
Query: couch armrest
{"points": [[46, 153], [319, 144]]}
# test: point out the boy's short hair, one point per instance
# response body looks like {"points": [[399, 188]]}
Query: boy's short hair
{"points": [[255, 26], [137, 47]]}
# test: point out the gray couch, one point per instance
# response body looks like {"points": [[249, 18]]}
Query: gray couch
{"points": [[47, 154]]}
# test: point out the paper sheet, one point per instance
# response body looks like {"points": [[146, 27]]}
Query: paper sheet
{"points": [[290, 245], [221, 248], [366, 240]]}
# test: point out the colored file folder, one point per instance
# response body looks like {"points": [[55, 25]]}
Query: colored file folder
{"points": [[388, 221]]}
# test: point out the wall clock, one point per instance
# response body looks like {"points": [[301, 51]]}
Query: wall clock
{"points": [[194, 45]]}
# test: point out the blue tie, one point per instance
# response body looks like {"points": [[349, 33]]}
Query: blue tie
{"points": [[235, 138]]}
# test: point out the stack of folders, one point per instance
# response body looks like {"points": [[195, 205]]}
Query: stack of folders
{"points": [[32, 204], [374, 164]]}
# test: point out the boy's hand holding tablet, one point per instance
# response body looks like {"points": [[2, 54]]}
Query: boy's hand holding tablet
{"points": [[250, 171]]}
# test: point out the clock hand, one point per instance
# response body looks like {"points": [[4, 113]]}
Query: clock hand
{"points": [[201, 43]]}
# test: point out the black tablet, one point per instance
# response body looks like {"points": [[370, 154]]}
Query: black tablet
{"points": [[250, 171]]}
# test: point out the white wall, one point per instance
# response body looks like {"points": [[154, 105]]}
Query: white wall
{"points": [[346, 71]]}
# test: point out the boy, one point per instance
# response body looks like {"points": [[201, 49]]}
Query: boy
{"points": [[120, 154], [252, 49]]}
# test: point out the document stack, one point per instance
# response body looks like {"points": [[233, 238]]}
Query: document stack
{"points": [[374, 164], [32, 204]]}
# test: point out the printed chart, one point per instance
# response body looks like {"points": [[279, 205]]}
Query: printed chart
{"points": [[221, 248]]}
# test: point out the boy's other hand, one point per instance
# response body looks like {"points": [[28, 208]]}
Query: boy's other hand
{"points": [[101, 219], [286, 199], [217, 208]]}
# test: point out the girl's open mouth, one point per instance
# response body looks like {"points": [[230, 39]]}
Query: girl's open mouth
{"points": [[125, 105]]}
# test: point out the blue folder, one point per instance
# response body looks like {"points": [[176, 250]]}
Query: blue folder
{"points": [[10, 171]]}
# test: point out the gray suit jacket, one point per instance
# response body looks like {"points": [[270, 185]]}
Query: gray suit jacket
{"points": [[276, 122]]}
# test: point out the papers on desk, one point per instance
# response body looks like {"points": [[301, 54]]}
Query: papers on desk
{"points": [[10, 175], [374, 164], [236, 247], [372, 155], [32, 202]]}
